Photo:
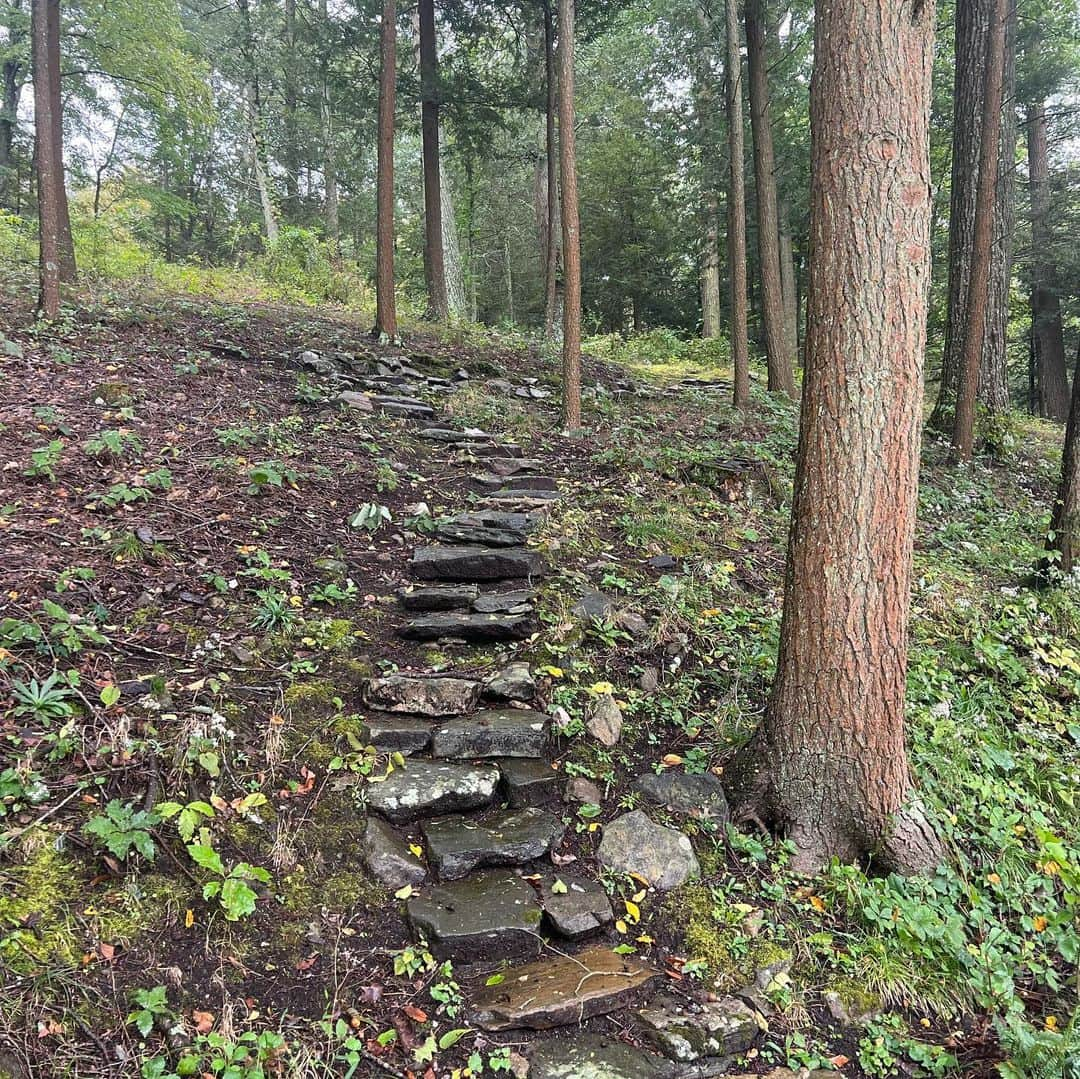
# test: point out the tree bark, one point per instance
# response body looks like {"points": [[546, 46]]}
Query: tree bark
{"points": [[1065, 524], [291, 149], [551, 242], [828, 766], [787, 284], [977, 307], [434, 269], [42, 22], [385, 301], [255, 124], [65, 241], [571, 350], [972, 34], [710, 270], [736, 223], [455, 281], [13, 73], [781, 373], [1051, 380], [710, 232]]}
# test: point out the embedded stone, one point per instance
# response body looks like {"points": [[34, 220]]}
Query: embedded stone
{"points": [[515, 602], [594, 1056], [698, 795], [523, 495], [438, 597], [574, 906], [457, 846], [520, 480], [527, 782], [561, 990], [359, 402], [391, 733], [480, 628], [595, 606], [513, 683], [388, 857], [604, 721], [687, 1031], [421, 696], [430, 788], [633, 843], [491, 913], [475, 563], [449, 434], [497, 732], [456, 532]]}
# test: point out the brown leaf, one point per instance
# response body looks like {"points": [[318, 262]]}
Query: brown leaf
{"points": [[308, 963], [107, 951], [417, 1015], [204, 1021]]}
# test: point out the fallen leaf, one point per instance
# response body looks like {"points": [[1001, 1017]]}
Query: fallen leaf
{"points": [[204, 1021], [417, 1015]]}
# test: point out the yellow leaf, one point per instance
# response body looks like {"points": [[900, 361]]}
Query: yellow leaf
{"points": [[600, 688], [415, 849], [637, 897], [189, 918], [1039, 923], [993, 878], [403, 893], [633, 912], [645, 939], [817, 902], [671, 759], [641, 880], [1051, 1022], [620, 925]]}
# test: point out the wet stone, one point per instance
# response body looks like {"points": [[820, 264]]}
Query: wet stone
{"points": [[497, 732], [594, 1056], [503, 602], [687, 1032], [595, 606], [698, 795], [527, 782], [430, 788], [387, 856], [556, 991], [513, 683], [633, 843], [457, 846], [421, 696], [523, 495], [416, 412], [478, 628], [439, 597], [390, 733], [474, 563], [491, 913], [507, 466], [574, 906]]}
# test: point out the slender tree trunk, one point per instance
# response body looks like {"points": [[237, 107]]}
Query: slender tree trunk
{"points": [[972, 33], [787, 284], [736, 224], [710, 270], [551, 162], [385, 301], [291, 149], [434, 270], [828, 766], [455, 282], [963, 437], [326, 134], [780, 359], [13, 73], [65, 241], [570, 226], [705, 107], [1051, 380], [508, 271], [1065, 524], [42, 22], [255, 124]]}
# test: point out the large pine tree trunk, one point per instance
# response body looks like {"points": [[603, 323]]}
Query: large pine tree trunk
{"points": [[736, 222], [45, 119], [982, 239], [385, 301], [571, 244], [434, 269], [780, 358], [787, 283], [551, 164], [1051, 380], [1065, 525], [828, 766], [972, 30]]}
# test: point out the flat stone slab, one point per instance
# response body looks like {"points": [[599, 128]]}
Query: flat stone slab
{"points": [[473, 563], [594, 1056], [480, 628], [439, 597], [493, 449], [503, 602], [507, 466], [387, 856], [393, 733], [524, 495], [431, 788], [698, 795], [457, 846], [633, 843], [492, 913], [449, 434], [687, 1032], [421, 696], [403, 408], [520, 481], [514, 682], [527, 782], [556, 991], [574, 906], [478, 535], [496, 732]]}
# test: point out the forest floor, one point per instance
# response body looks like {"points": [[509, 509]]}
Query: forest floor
{"points": [[190, 608]]}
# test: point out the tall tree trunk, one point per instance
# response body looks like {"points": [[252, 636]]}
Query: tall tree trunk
{"points": [[326, 134], [787, 284], [828, 766], [434, 270], [455, 281], [982, 240], [65, 241], [972, 33], [780, 358], [736, 223], [385, 301], [256, 129], [42, 22], [1051, 380], [710, 270], [289, 95], [570, 227], [705, 108], [13, 74], [1065, 524], [551, 244]]}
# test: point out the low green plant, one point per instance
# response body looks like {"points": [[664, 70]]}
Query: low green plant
{"points": [[44, 701], [152, 1010], [43, 461], [370, 517], [270, 474], [122, 828], [233, 887]]}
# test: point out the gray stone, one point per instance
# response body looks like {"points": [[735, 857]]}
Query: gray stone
{"points": [[390, 733], [583, 790], [574, 906], [524, 496], [634, 844], [491, 913], [421, 696], [336, 569], [663, 561], [527, 782], [698, 795], [594, 1056], [493, 449], [519, 480], [513, 683], [649, 680], [604, 721], [632, 623], [479, 628], [438, 597], [507, 466], [497, 732], [457, 846], [595, 606], [556, 991], [429, 788], [358, 402], [455, 532], [514, 602], [686, 1031], [448, 434], [388, 857], [851, 1011], [475, 563]]}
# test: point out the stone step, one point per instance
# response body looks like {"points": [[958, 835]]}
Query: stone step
{"points": [[457, 532], [493, 449], [584, 1055], [491, 913], [438, 597], [508, 466], [391, 733], [476, 628], [426, 788], [527, 782], [515, 602], [472, 563], [420, 695], [409, 411], [560, 990], [515, 492], [520, 482], [574, 906], [496, 732], [449, 434], [388, 857], [457, 846]]}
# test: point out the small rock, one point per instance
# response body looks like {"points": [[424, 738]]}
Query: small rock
{"points": [[595, 606], [663, 561], [335, 568], [649, 680], [358, 402], [852, 1010], [574, 906], [513, 683], [417, 509], [580, 789], [594, 1056], [633, 843], [527, 782], [687, 1032], [604, 721], [699, 795], [421, 696], [632, 623], [388, 857]]}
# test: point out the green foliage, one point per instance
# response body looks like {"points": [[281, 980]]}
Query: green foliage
{"points": [[268, 474], [370, 517], [121, 828], [153, 1008], [43, 461]]}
